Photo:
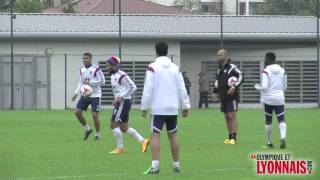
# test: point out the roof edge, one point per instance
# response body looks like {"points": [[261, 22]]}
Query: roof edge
{"points": [[287, 37]]}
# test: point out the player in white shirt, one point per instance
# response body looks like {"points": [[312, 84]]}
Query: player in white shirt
{"points": [[164, 90], [123, 87], [272, 86], [91, 75]]}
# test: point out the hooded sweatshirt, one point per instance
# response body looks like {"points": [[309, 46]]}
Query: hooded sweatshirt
{"points": [[164, 88], [273, 84]]}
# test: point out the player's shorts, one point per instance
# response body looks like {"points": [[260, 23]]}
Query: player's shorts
{"points": [[84, 102], [121, 111], [279, 111], [157, 122], [229, 106]]}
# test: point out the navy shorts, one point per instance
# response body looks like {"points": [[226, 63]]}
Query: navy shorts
{"points": [[121, 111], [157, 122], [229, 106], [268, 110], [84, 102]]}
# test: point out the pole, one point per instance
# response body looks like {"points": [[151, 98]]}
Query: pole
{"points": [[12, 60], [114, 7], [221, 24], [65, 81], [120, 38], [318, 53], [237, 7]]}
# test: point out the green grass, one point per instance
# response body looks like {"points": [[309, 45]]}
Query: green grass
{"points": [[49, 145]]}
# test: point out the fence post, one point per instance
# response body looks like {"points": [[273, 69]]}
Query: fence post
{"points": [[65, 81], [318, 53]]}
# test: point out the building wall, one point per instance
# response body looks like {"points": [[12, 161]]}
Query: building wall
{"points": [[189, 55], [132, 51], [193, 53]]}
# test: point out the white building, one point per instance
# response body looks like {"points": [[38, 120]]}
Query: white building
{"points": [[229, 6], [42, 43]]}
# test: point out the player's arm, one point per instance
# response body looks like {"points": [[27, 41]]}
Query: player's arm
{"points": [[184, 98], [237, 73], [264, 82], [215, 86], [285, 81], [147, 90], [188, 83], [99, 79], [126, 81], [77, 91]]}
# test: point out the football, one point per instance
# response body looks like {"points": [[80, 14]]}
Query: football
{"points": [[86, 90], [232, 80]]}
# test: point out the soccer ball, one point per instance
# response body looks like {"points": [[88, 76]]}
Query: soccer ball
{"points": [[86, 90], [232, 80]]}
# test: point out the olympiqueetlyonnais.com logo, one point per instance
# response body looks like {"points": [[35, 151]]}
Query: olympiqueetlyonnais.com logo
{"points": [[281, 164]]}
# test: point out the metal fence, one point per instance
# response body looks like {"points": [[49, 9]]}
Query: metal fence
{"points": [[42, 82]]}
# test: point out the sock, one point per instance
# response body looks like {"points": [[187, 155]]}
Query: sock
{"points": [[98, 134], [176, 164], [133, 133], [87, 127], [155, 164], [118, 135], [233, 136], [283, 130], [268, 129]]}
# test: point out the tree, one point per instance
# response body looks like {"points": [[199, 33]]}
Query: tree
{"points": [[3, 3], [68, 8], [286, 7], [28, 6], [190, 5]]}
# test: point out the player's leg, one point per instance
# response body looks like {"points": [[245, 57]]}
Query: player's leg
{"points": [[224, 110], [82, 105], [124, 126], [231, 107], [136, 135], [206, 99], [279, 111], [268, 109], [157, 123], [200, 100], [171, 123], [114, 125], [95, 116], [95, 106]]}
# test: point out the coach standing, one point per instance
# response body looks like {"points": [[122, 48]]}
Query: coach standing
{"points": [[229, 96]]}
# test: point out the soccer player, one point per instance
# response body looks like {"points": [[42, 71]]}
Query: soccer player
{"points": [[164, 89], [229, 96], [273, 84], [123, 87], [91, 75]]}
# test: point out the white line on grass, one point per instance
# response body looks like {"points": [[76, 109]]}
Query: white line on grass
{"points": [[123, 174]]}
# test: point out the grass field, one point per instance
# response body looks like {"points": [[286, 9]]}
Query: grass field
{"points": [[49, 145]]}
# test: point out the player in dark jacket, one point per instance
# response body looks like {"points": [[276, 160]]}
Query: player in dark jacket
{"points": [[229, 96]]}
